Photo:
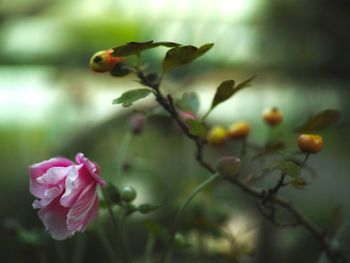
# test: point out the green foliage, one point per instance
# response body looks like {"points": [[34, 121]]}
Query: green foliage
{"points": [[290, 168], [147, 208], [135, 48], [189, 102], [197, 128], [319, 121], [182, 55], [223, 92], [226, 90], [128, 97]]}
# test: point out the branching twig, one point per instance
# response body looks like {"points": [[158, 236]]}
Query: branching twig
{"points": [[270, 199]]}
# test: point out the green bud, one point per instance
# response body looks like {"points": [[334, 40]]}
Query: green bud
{"points": [[146, 208], [128, 194], [228, 166]]}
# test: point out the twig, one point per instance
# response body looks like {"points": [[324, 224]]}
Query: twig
{"points": [[302, 220]]}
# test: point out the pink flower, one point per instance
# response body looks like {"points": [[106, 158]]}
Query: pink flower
{"points": [[66, 192]]}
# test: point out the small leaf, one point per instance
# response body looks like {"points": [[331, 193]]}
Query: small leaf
{"points": [[319, 121], [196, 128], [290, 168], [204, 49], [134, 48], [226, 90], [245, 83], [127, 98], [223, 92], [299, 183], [182, 55], [189, 102], [147, 208]]}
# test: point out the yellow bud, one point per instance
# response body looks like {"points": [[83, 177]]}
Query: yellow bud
{"points": [[216, 135]]}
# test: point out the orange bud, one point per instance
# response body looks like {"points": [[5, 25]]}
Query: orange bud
{"points": [[310, 143], [238, 130], [272, 116], [103, 61]]}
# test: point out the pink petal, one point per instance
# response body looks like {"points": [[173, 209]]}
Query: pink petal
{"points": [[54, 217], [83, 210], [49, 195], [54, 175], [76, 181], [93, 213], [92, 167], [38, 169]]}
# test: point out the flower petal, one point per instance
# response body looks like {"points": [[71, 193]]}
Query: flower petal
{"points": [[49, 195], [54, 217], [38, 169], [76, 181], [92, 167], [83, 210], [54, 175]]}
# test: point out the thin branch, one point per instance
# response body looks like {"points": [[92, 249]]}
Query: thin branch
{"points": [[300, 219]]}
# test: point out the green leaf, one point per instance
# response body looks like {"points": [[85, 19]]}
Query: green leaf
{"points": [[204, 49], [319, 121], [244, 84], [189, 102], [127, 98], [134, 48], [290, 168], [147, 208], [196, 128], [225, 91], [182, 55]]}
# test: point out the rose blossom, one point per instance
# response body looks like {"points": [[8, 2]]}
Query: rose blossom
{"points": [[66, 192]]}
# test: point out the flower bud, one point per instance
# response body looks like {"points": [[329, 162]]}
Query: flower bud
{"points": [[128, 194], [310, 143], [228, 166], [238, 130], [147, 208], [103, 61], [216, 135], [272, 116], [137, 123], [186, 115]]}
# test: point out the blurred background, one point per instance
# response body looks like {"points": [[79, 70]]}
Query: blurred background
{"points": [[52, 104]]}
